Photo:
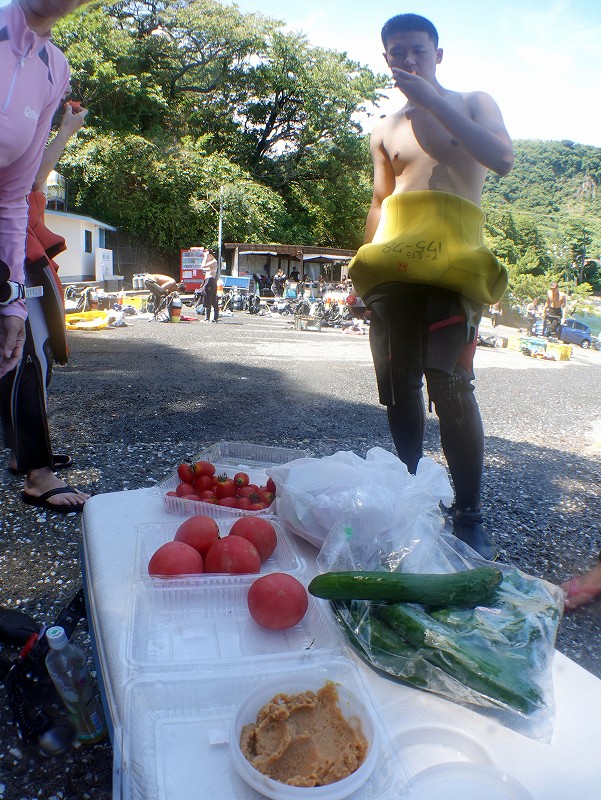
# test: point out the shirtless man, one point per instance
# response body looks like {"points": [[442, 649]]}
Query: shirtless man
{"points": [[160, 284], [554, 312], [441, 141]]}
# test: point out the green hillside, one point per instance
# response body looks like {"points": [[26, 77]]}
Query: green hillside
{"points": [[544, 218]]}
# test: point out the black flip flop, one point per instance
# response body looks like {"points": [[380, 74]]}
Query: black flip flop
{"points": [[42, 501], [59, 461]]}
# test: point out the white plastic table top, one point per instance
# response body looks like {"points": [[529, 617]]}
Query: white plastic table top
{"points": [[567, 767]]}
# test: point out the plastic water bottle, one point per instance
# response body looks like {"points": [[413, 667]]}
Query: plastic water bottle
{"points": [[66, 665]]}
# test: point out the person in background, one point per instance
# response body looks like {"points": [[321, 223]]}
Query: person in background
{"points": [[583, 589], [532, 315], [160, 285], [496, 313], [211, 299], [435, 151], [277, 286], [554, 311], [26, 52]]}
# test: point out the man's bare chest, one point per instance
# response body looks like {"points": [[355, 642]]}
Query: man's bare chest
{"points": [[417, 139]]}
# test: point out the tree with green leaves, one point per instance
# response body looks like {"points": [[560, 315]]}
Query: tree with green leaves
{"points": [[190, 95]]}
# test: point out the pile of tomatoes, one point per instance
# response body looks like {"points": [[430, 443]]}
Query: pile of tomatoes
{"points": [[199, 481], [198, 547], [275, 601]]}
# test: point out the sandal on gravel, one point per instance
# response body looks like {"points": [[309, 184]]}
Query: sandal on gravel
{"points": [[59, 461], [42, 500], [574, 588]]}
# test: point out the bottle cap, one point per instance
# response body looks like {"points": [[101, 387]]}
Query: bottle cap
{"points": [[57, 638]]}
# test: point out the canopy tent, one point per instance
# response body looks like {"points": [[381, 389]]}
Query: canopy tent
{"points": [[288, 256]]}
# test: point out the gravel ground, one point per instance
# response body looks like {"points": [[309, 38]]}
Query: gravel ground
{"points": [[133, 402]]}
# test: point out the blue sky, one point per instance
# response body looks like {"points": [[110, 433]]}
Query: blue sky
{"points": [[539, 59]]}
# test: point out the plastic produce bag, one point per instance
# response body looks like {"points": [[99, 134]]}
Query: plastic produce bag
{"points": [[361, 511], [372, 515], [496, 658]]}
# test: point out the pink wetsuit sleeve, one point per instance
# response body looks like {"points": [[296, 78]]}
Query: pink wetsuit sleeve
{"points": [[16, 182]]}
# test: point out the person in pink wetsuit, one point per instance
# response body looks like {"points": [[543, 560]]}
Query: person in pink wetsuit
{"points": [[34, 79]]}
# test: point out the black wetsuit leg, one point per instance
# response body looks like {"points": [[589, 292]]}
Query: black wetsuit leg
{"points": [[396, 343], [461, 432], [23, 396]]}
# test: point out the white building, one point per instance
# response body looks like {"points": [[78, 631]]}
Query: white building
{"points": [[86, 257]]}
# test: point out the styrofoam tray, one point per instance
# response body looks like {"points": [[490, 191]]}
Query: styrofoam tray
{"points": [[176, 732], [150, 537], [229, 457], [204, 625]]}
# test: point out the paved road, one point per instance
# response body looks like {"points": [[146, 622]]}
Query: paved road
{"points": [[133, 402]]}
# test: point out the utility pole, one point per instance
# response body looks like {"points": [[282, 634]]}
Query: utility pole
{"points": [[220, 232]]}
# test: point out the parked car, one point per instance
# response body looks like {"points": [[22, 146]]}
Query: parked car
{"points": [[574, 332]]}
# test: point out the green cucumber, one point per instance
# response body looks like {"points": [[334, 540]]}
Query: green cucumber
{"points": [[502, 679], [375, 641], [470, 587]]}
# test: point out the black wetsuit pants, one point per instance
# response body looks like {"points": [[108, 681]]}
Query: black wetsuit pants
{"points": [[211, 302], [23, 396], [417, 331]]}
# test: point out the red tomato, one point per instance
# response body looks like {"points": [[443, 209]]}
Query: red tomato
{"points": [[204, 468], [259, 532], [248, 491], [241, 479], [225, 488], [175, 558], [183, 489], [171, 494], [200, 532], [277, 601], [244, 503], [270, 485], [194, 497], [266, 497], [185, 473], [233, 555], [228, 502], [202, 483], [208, 497], [257, 507]]}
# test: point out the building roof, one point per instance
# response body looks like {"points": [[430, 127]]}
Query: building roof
{"points": [[296, 251], [68, 215]]}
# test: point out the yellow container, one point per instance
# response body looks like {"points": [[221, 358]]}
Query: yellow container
{"points": [[135, 300], [514, 343], [562, 352]]}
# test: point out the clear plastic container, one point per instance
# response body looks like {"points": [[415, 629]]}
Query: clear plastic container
{"points": [[230, 457], [208, 626], [178, 726], [150, 537], [353, 707], [466, 782]]}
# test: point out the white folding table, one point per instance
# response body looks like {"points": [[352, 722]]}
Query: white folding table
{"points": [[570, 766]]}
